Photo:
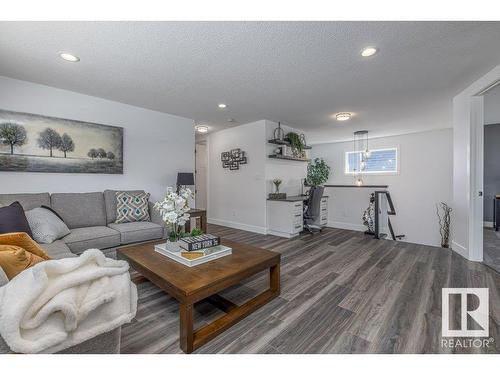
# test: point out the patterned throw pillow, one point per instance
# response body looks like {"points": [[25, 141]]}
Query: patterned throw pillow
{"points": [[46, 225], [131, 207]]}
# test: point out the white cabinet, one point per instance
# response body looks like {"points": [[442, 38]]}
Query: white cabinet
{"points": [[284, 217], [323, 213]]}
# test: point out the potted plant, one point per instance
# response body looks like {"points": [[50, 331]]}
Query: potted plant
{"points": [[174, 210], [277, 183], [444, 220], [317, 172], [296, 144]]}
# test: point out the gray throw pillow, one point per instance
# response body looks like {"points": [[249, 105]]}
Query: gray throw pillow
{"points": [[131, 207], [45, 225], [3, 277]]}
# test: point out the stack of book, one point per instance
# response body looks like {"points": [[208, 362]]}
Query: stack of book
{"points": [[203, 241], [192, 251]]}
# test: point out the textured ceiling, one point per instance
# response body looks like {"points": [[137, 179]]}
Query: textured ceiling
{"points": [[299, 73]]}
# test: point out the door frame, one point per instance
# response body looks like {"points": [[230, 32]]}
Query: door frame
{"points": [[476, 226], [468, 127]]}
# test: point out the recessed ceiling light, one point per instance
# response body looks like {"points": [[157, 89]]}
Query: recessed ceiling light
{"points": [[343, 116], [369, 51], [222, 105], [69, 57], [201, 128]]}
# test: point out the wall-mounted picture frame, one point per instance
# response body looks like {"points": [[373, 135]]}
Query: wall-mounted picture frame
{"points": [[233, 158], [234, 166], [35, 143]]}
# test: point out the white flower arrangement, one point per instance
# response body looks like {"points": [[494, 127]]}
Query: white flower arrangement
{"points": [[174, 208]]}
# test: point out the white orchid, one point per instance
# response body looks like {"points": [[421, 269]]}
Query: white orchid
{"points": [[174, 208]]}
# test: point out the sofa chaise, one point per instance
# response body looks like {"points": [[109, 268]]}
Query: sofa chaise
{"points": [[91, 219]]}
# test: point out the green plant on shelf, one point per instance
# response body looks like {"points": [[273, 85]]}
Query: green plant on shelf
{"points": [[295, 142], [277, 183]]}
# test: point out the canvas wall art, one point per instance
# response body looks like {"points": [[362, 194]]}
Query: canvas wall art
{"points": [[34, 143]]}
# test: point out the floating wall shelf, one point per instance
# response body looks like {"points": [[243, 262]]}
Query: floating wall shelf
{"points": [[287, 158], [285, 142]]}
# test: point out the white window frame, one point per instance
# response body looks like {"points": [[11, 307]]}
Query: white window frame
{"points": [[395, 172]]}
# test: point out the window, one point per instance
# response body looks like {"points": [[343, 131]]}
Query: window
{"points": [[381, 161]]}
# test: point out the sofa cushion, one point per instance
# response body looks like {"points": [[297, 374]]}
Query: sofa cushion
{"points": [[138, 231], [99, 237], [131, 207], [57, 250], [80, 210], [28, 201], [46, 225], [110, 202], [13, 219]]}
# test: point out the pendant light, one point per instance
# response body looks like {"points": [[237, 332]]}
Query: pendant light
{"points": [[362, 153]]}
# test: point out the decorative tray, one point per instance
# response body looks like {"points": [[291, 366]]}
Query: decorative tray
{"points": [[192, 258]]}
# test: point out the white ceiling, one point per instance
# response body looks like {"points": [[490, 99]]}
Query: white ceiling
{"points": [[299, 73]]}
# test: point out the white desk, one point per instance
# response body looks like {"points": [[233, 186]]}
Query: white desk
{"points": [[285, 216]]}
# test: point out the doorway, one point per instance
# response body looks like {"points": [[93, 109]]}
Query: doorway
{"points": [[491, 178], [201, 175]]}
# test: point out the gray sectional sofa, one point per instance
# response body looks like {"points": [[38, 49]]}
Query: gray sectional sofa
{"points": [[91, 218]]}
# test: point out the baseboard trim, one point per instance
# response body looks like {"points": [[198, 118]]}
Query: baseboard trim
{"points": [[281, 234], [236, 225], [462, 250], [488, 224], [349, 226]]}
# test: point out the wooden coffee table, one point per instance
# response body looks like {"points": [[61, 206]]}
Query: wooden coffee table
{"points": [[193, 284]]}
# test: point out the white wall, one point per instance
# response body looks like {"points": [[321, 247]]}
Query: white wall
{"points": [[425, 179], [156, 145], [201, 175], [492, 106], [238, 198], [290, 172]]}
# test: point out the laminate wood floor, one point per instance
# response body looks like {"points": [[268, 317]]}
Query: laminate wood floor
{"points": [[342, 292], [491, 248]]}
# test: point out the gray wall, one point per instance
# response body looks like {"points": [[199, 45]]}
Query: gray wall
{"points": [[491, 168]]}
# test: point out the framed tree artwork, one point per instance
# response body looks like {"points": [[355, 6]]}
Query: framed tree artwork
{"points": [[35, 143]]}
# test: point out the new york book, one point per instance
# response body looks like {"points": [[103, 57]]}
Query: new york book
{"points": [[202, 241]]}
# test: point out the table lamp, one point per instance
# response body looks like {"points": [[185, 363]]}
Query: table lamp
{"points": [[184, 179]]}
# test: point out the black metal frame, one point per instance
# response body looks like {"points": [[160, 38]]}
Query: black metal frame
{"points": [[391, 211]]}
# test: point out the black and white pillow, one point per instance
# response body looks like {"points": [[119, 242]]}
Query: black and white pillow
{"points": [[46, 225]]}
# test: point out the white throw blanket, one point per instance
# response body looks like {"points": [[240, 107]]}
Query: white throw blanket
{"points": [[60, 303]]}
